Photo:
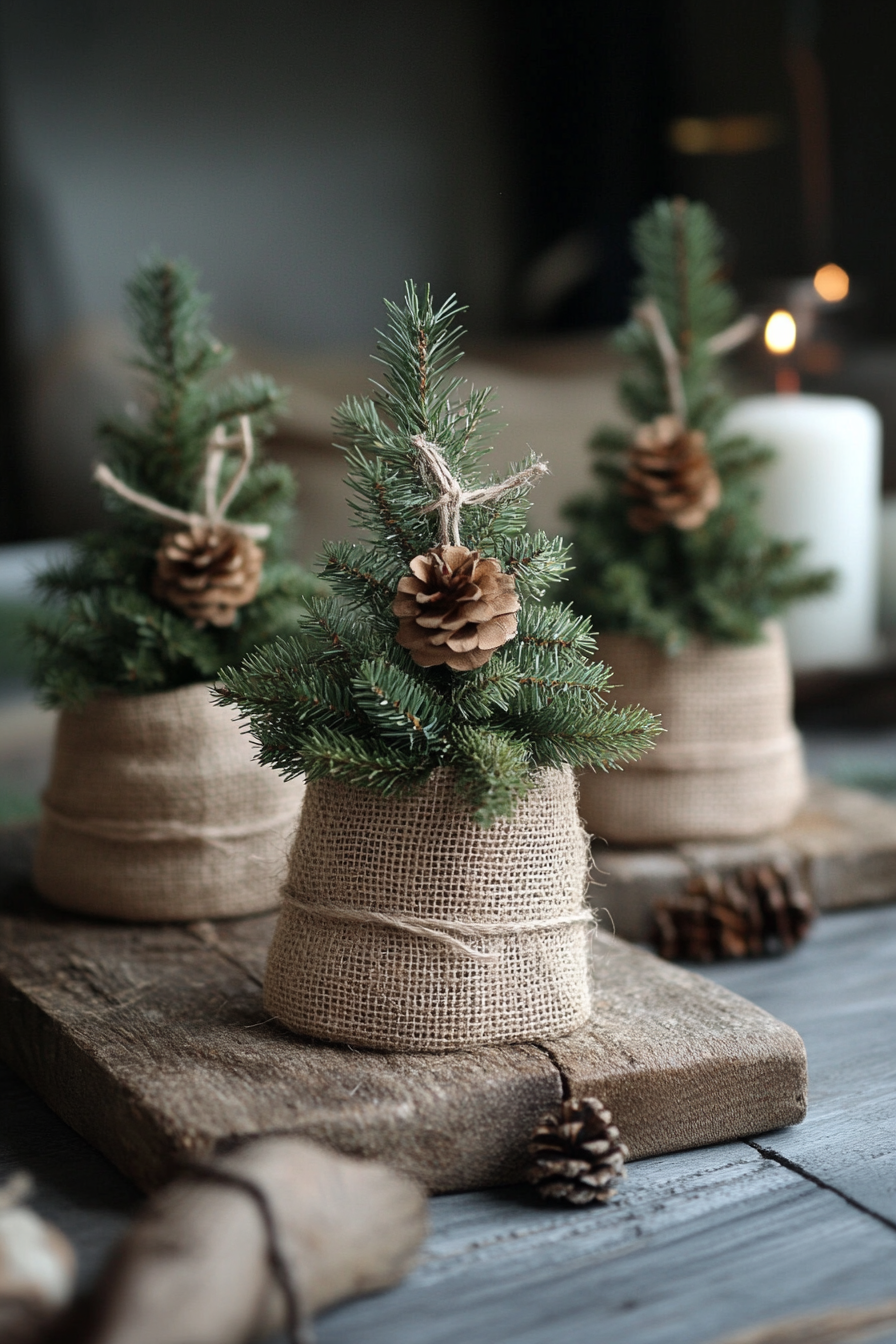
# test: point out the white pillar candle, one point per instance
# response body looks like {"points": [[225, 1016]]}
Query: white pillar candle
{"points": [[888, 566], [824, 488]]}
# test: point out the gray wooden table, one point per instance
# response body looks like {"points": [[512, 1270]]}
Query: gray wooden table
{"points": [[696, 1245]]}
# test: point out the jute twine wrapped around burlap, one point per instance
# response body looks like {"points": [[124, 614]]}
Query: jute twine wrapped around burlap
{"points": [[156, 810], [405, 926], [730, 762]]}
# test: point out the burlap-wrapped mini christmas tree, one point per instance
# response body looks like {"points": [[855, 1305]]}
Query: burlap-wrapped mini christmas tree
{"points": [[673, 565], [436, 705], [155, 808]]}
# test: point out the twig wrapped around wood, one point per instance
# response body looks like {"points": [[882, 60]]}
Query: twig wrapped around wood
{"points": [[259, 1240]]}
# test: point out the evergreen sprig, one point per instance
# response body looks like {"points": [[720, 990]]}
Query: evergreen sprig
{"points": [[101, 628], [725, 578], [342, 699]]}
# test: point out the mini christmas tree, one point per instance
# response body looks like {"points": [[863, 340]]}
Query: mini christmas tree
{"points": [[192, 572], [670, 545], [436, 649]]}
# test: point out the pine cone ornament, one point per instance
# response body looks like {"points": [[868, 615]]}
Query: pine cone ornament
{"points": [[756, 911], [208, 571], [576, 1155], [455, 608], [671, 474]]}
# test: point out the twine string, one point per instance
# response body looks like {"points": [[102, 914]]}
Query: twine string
{"points": [[215, 508], [453, 497], [162, 831], [451, 932], [650, 315], [737, 334], [299, 1329]]}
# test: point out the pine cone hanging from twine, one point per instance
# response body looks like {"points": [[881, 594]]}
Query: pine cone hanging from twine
{"points": [[208, 571], [577, 1156], [455, 608], [756, 911], [670, 473]]}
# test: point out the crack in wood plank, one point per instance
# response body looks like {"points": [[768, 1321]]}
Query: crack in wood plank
{"points": [[772, 1155]]}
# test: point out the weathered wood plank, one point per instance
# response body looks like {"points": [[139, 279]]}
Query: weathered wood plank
{"points": [[843, 840], [694, 1246], [153, 1043], [839, 990]]}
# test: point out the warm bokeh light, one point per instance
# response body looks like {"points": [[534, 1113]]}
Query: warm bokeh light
{"points": [[780, 333], [831, 283]]}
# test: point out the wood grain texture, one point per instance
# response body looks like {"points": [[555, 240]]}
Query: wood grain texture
{"points": [[843, 842], [695, 1245], [839, 990], [152, 1042]]}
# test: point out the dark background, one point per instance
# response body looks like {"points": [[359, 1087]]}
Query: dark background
{"points": [[309, 157]]}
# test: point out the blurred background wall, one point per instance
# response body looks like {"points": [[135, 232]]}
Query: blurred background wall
{"points": [[308, 157]]}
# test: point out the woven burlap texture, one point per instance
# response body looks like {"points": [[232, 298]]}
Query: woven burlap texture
{"points": [[730, 762], [422, 860], [156, 810]]}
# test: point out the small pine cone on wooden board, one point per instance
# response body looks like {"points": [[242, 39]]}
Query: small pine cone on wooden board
{"points": [[758, 910], [455, 609], [208, 571], [670, 474], [577, 1156]]}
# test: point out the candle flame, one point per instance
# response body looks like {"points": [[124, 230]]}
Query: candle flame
{"points": [[831, 283], [780, 333]]}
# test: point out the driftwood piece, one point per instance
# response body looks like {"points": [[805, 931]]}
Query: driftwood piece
{"points": [[152, 1042], [197, 1265], [842, 843]]}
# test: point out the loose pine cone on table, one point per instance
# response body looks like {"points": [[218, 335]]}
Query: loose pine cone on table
{"points": [[759, 910], [455, 608], [577, 1156], [208, 571], [670, 473]]}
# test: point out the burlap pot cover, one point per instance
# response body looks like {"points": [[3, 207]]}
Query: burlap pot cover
{"points": [[405, 926], [730, 762], [156, 810]]}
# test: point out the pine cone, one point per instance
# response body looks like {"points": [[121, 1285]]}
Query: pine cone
{"points": [[455, 608], [577, 1155], [756, 911], [208, 571], [670, 472]]}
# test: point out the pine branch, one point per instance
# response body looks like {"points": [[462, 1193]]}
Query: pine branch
{"points": [[363, 765], [399, 707], [492, 770]]}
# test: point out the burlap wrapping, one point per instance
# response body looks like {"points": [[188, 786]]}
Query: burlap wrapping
{"points": [[494, 943], [156, 810], [730, 763]]}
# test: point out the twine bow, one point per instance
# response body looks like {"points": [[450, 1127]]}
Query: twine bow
{"points": [[651, 316], [453, 497], [215, 509]]}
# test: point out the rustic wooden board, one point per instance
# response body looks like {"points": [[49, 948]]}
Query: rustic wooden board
{"points": [[839, 990], [152, 1042], [694, 1246], [843, 840]]}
